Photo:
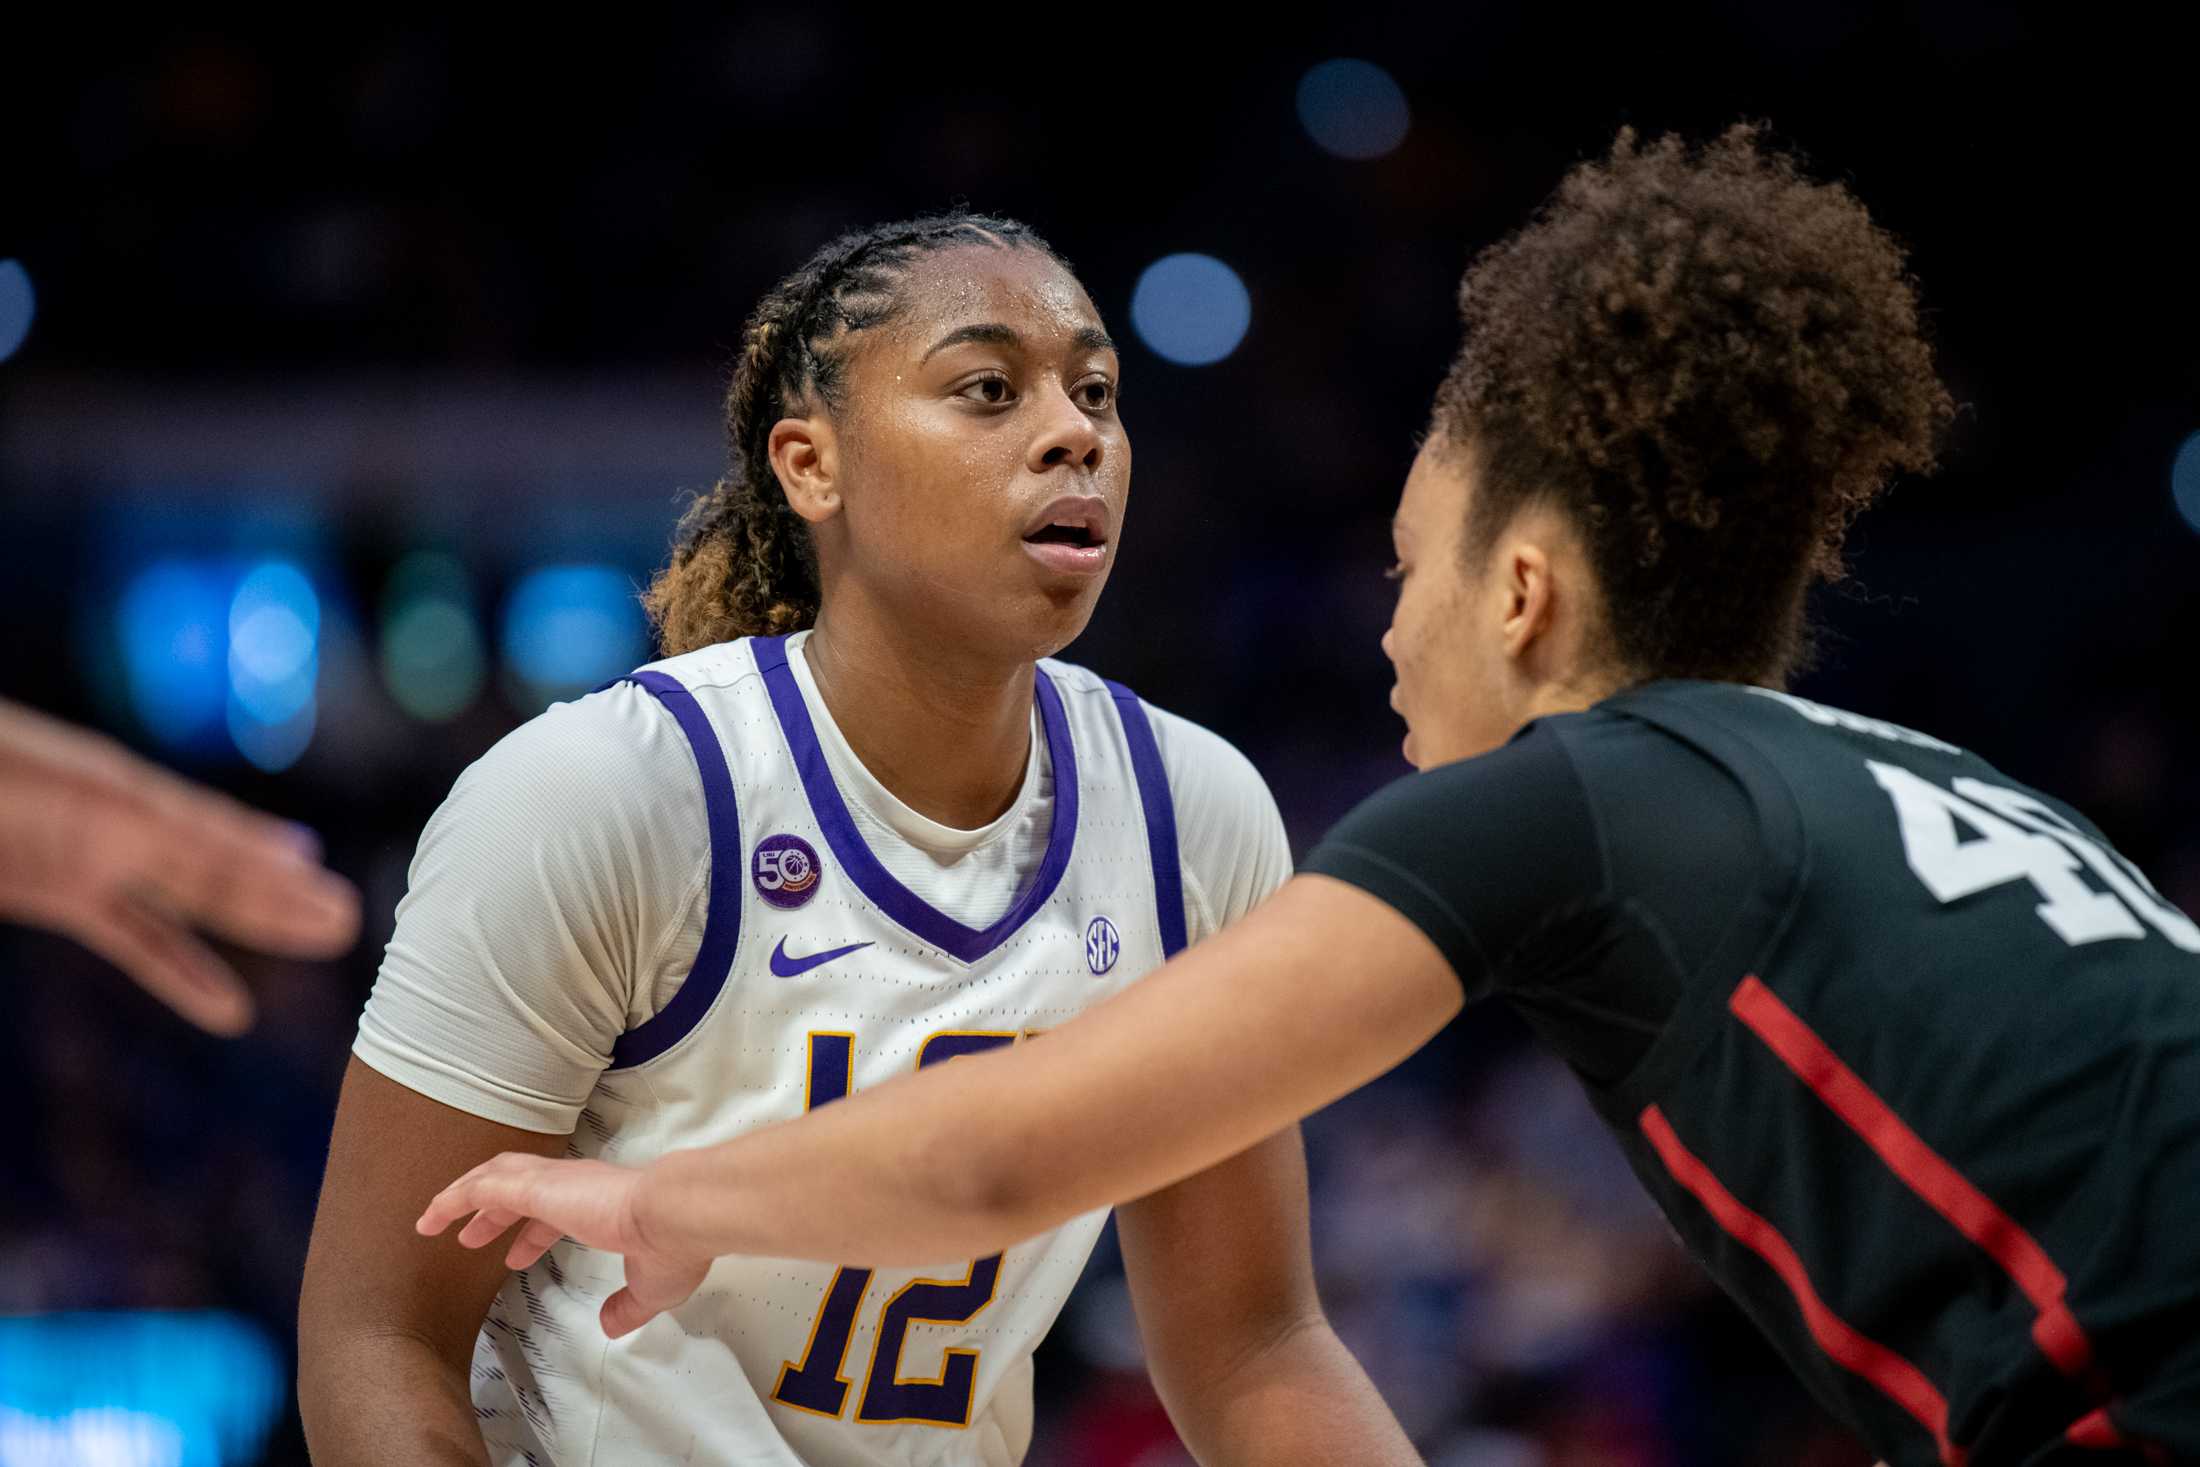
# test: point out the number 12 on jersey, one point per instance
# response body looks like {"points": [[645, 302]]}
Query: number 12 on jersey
{"points": [[815, 1383]]}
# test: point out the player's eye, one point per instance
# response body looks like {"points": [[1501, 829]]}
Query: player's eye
{"points": [[1397, 571], [1096, 394], [991, 391]]}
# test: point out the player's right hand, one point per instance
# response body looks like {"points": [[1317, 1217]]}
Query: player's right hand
{"points": [[591, 1202], [127, 859]]}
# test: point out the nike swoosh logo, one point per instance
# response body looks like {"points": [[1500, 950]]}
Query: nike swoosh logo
{"points": [[786, 967]]}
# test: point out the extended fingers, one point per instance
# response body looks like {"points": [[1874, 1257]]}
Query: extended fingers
{"points": [[250, 878], [487, 1226], [167, 962], [91, 823], [534, 1240], [496, 1185]]}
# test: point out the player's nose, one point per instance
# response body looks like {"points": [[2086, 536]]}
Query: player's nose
{"points": [[1067, 435], [1390, 651]]}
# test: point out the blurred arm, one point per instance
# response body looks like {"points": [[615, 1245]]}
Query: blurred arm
{"points": [[1222, 1276], [127, 858], [387, 1319], [1319, 990]]}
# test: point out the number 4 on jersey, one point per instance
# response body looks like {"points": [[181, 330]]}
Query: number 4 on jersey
{"points": [[2016, 838]]}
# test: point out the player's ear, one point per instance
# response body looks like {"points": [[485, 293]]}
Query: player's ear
{"points": [[1528, 598], [805, 456]]}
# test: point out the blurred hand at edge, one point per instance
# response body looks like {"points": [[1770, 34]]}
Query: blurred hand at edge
{"points": [[127, 858]]}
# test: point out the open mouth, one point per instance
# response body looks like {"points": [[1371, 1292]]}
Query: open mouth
{"points": [[1070, 536], [1075, 522], [1080, 536]]}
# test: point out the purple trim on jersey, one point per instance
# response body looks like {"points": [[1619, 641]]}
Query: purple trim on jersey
{"points": [[722, 918], [1153, 793], [916, 915]]}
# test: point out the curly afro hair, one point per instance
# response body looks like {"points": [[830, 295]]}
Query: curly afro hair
{"points": [[1711, 362]]}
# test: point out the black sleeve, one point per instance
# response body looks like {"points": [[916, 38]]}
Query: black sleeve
{"points": [[1476, 854]]}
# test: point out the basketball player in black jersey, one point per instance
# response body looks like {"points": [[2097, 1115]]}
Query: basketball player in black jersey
{"points": [[1906, 1052]]}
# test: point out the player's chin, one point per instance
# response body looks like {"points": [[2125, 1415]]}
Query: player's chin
{"points": [[1055, 612]]}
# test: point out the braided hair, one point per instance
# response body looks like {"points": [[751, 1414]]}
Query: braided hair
{"points": [[743, 563]]}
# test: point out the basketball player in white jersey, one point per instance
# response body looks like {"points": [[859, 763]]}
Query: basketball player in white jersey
{"points": [[859, 823]]}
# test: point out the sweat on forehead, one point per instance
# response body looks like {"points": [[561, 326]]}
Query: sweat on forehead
{"points": [[969, 283]]}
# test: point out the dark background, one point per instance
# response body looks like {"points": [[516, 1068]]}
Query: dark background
{"points": [[334, 294]]}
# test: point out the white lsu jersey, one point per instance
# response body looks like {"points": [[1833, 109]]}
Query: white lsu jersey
{"points": [[820, 973]]}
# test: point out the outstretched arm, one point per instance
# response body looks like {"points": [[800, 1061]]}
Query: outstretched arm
{"points": [[127, 859], [1319, 990]]}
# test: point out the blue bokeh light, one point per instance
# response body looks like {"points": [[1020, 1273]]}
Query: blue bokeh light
{"points": [[274, 663], [274, 642], [205, 649], [570, 627], [173, 626], [1353, 109], [2184, 481], [1191, 309], [18, 305], [271, 744], [197, 1389], [110, 1436]]}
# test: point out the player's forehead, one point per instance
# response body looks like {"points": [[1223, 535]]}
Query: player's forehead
{"points": [[1024, 289], [1434, 499]]}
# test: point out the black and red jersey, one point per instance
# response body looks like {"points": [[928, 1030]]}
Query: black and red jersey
{"points": [[1908, 1054]]}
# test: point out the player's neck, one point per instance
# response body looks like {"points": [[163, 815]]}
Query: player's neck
{"points": [[948, 732], [1573, 694]]}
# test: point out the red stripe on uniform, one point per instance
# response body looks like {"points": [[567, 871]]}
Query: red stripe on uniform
{"points": [[1895, 1377], [2097, 1432], [1947, 1191]]}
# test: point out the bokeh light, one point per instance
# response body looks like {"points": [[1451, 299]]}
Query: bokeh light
{"points": [[570, 627], [173, 626], [18, 304], [1353, 109], [272, 746], [2184, 481], [433, 659], [136, 1389], [1191, 309], [274, 641], [274, 662]]}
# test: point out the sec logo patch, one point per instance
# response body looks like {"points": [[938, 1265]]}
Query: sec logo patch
{"points": [[1102, 945], [785, 869]]}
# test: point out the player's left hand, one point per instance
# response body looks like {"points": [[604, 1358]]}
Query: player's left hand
{"points": [[591, 1202]]}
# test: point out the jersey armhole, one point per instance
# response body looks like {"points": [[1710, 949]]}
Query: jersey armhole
{"points": [[722, 915], [1160, 811]]}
